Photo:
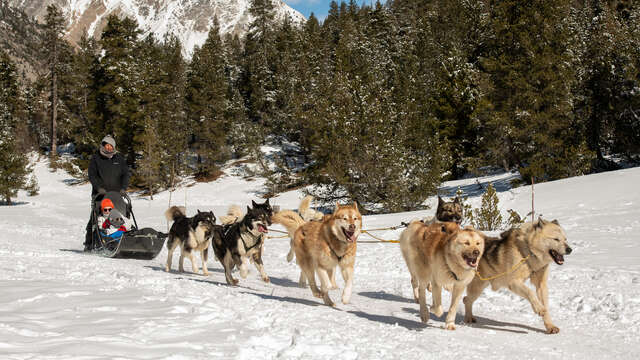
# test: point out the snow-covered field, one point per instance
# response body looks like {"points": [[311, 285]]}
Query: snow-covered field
{"points": [[56, 302]]}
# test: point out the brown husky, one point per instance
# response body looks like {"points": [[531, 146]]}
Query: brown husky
{"points": [[440, 254], [321, 245], [447, 211], [535, 245]]}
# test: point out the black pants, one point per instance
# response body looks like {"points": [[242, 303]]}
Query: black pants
{"points": [[88, 237]]}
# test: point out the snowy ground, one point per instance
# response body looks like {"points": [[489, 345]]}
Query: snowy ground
{"points": [[56, 302]]}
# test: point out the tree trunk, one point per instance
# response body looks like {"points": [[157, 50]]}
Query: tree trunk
{"points": [[54, 101]]}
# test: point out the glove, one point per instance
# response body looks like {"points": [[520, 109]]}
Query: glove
{"points": [[123, 192], [102, 191]]}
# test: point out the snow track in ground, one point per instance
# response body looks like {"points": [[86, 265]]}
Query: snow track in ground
{"points": [[57, 302]]}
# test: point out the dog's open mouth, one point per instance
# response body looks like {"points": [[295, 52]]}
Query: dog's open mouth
{"points": [[350, 235], [557, 257], [262, 228], [472, 261]]}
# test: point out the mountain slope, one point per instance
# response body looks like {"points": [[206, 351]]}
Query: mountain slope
{"points": [[188, 20], [20, 39]]}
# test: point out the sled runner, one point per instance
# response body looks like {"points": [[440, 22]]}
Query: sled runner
{"points": [[135, 243]]}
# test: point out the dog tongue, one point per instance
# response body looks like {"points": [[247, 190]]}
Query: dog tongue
{"points": [[351, 235], [262, 228]]}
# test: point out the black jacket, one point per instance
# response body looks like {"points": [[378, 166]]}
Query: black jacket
{"points": [[109, 174]]}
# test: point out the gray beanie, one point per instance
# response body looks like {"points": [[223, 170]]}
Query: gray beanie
{"points": [[108, 140], [115, 218]]}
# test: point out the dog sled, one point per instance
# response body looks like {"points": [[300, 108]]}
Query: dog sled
{"points": [[135, 243]]}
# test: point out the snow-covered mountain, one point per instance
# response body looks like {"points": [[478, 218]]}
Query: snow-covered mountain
{"points": [[189, 20]]}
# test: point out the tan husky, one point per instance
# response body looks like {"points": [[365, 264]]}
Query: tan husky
{"points": [[520, 254], [321, 245], [440, 254]]}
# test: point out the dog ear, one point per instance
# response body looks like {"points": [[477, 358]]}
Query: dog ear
{"points": [[440, 200], [253, 203], [457, 200], [199, 211], [248, 208], [267, 202], [355, 205], [555, 221], [541, 222], [337, 207]]}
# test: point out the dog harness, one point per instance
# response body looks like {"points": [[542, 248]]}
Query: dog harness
{"points": [[244, 231]]}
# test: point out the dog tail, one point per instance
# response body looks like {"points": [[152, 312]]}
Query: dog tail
{"points": [[306, 212], [234, 214], [175, 212], [291, 221], [305, 204]]}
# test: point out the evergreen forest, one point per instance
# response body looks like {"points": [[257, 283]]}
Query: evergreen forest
{"points": [[381, 102]]}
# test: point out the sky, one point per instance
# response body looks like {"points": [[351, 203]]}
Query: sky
{"points": [[319, 8]]}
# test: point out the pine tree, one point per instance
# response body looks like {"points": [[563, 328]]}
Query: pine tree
{"points": [[53, 31], [173, 125], [364, 144], [14, 169], [531, 123], [149, 168], [206, 100], [260, 88], [488, 216], [458, 31], [117, 82], [610, 76], [81, 98]]}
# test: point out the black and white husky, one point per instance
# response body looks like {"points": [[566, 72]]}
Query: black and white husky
{"points": [[192, 234], [242, 239]]}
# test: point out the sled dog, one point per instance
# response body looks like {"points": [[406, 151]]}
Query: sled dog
{"points": [[440, 254], [191, 234], [242, 239], [321, 245], [539, 243], [446, 211]]}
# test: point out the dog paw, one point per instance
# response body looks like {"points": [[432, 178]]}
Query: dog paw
{"points": [[553, 330], [424, 317], [346, 299], [469, 319], [317, 294], [449, 326], [234, 282], [205, 273], [429, 287], [437, 311], [329, 303], [266, 279]]}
